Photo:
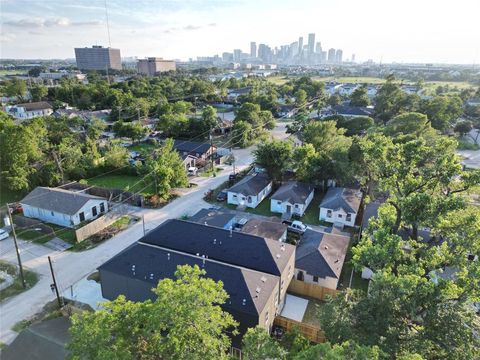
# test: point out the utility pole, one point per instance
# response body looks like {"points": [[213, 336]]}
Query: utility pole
{"points": [[143, 222], [211, 156], [54, 285], [233, 157], [16, 247]]}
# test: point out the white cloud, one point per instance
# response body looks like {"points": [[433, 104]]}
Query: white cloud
{"points": [[49, 23]]}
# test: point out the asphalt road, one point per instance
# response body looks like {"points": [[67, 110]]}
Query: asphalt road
{"points": [[70, 267]]}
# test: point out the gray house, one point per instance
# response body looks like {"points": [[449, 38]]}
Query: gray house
{"points": [[223, 218], [320, 256], [250, 191], [292, 198], [255, 272], [340, 206], [62, 207]]}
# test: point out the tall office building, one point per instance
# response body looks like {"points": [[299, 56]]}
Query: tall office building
{"points": [[318, 48], [331, 56], [311, 43], [338, 56], [98, 58], [237, 55], [300, 44], [253, 49], [353, 57], [154, 65]]}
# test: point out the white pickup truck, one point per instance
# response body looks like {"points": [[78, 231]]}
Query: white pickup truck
{"points": [[296, 226]]}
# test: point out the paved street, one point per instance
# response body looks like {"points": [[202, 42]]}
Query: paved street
{"points": [[70, 267]]}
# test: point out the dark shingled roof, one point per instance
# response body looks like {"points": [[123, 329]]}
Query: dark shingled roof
{"points": [[45, 340], [251, 184], [321, 254], [40, 105], [266, 229], [191, 146], [352, 110], [218, 218], [153, 263], [342, 198], [294, 192], [58, 200], [234, 248]]}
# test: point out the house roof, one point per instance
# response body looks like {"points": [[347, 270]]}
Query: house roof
{"points": [[352, 110], [154, 263], [58, 200], [191, 146], [40, 105], [45, 340], [321, 254], [251, 184], [342, 198], [218, 218], [293, 192], [249, 251], [265, 229]]}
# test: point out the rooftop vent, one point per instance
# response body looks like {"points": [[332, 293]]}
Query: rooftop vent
{"points": [[244, 302], [278, 256], [263, 278], [168, 256], [151, 276], [325, 247], [282, 247], [257, 290]]}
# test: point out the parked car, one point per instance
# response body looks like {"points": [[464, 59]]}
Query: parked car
{"points": [[3, 234], [296, 226], [222, 196], [192, 171]]}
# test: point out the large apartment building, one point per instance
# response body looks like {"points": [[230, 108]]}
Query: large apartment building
{"points": [[255, 271], [98, 58], [154, 65]]}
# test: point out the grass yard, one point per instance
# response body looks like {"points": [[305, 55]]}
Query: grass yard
{"points": [[30, 234], [143, 148], [357, 281], [124, 182], [262, 209], [16, 288], [312, 313], [313, 211], [278, 80]]}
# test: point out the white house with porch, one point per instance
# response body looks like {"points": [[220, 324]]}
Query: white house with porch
{"points": [[340, 206], [250, 191], [292, 198], [62, 207]]}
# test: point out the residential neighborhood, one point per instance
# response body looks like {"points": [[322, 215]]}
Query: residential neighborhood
{"points": [[292, 201]]}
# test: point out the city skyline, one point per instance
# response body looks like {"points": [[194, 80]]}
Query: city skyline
{"points": [[182, 30]]}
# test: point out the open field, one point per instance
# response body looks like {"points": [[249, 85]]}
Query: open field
{"points": [[351, 79], [278, 80], [124, 182]]}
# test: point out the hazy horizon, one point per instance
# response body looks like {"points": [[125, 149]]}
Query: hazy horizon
{"points": [[403, 32]]}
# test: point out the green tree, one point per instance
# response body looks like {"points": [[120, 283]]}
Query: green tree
{"points": [[243, 134], [95, 128], [294, 342], [359, 96], [414, 124], [391, 100], [442, 111], [210, 117], [258, 345], [116, 156], [300, 98], [275, 156], [38, 92], [356, 125], [463, 127], [15, 87], [345, 351], [167, 169], [334, 99], [184, 322]]}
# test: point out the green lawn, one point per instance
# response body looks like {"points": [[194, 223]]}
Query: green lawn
{"points": [[357, 281], [312, 313], [313, 211], [30, 234], [16, 288], [262, 209], [351, 79], [143, 148], [277, 80], [124, 182]]}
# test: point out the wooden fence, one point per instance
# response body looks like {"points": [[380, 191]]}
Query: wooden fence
{"points": [[99, 224], [311, 332], [310, 290]]}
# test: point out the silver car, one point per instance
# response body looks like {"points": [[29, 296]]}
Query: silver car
{"points": [[3, 234]]}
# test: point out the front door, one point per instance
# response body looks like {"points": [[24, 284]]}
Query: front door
{"points": [[82, 216], [289, 209], [300, 276]]}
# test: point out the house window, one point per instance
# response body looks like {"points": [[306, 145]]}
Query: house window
{"points": [[81, 216], [234, 196], [102, 207], [53, 214], [329, 213], [349, 217], [94, 211], [315, 279], [279, 203], [249, 199], [300, 276], [340, 216]]}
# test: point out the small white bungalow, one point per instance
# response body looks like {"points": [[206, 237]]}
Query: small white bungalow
{"points": [[62, 207], [292, 198], [340, 206], [250, 191]]}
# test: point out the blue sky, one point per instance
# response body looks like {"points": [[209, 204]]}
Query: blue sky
{"points": [[387, 30]]}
